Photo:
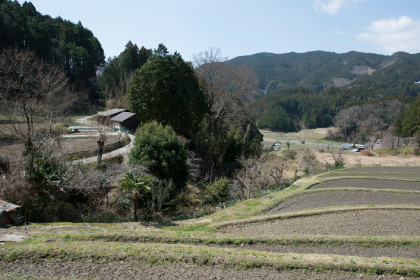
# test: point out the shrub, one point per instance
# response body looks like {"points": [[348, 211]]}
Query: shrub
{"points": [[159, 149], [217, 192], [290, 154], [58, 129], [367, 153], [309, 162]]}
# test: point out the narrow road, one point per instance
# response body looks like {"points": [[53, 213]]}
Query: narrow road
{"points": [[124, 151]]}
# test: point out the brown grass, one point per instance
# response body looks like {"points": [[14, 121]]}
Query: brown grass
{"points": [[356, 159], [69, 145]]}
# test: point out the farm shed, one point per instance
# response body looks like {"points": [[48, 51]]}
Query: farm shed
{"points": [[353, 147], [8, 213], [125, 120], [107, 115]]}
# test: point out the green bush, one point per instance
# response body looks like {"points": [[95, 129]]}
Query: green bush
{"points": [[58, 129], [217, 192], [159, 149]]}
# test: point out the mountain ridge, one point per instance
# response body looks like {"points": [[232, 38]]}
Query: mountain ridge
{"points": [[316, 70]]}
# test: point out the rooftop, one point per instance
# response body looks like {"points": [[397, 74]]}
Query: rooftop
{"points": [[6, 206], [111, 112], [122, 116]]}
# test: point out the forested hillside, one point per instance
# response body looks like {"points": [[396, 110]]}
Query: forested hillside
{"points": [[310, 89], [320, 70], [54, 40]]}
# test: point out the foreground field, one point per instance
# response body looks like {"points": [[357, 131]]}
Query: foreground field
{"points": [[390, 222], [118, 270], [322, 227], [328, 198]]}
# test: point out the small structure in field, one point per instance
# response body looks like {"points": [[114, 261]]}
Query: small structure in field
{"points": [[8, 213], [125, 120]]}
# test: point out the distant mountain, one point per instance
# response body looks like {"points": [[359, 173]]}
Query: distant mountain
{"points": [[319, 70], [309, 89]]}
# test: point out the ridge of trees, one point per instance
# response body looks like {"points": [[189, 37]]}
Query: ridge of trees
{"points": [[54, 40], [118, 71]]}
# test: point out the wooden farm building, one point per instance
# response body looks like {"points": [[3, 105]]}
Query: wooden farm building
{"points": [[125, 121], [8, 213], [105, 116]]}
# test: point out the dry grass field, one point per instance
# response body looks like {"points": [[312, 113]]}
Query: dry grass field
{"points": [[67, 144]]}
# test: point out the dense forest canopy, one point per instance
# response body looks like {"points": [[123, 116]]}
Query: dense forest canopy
{"points": [[54, 40], [118, 71]]}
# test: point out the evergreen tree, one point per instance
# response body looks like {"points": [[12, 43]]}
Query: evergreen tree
{"points": [[166, 90]]}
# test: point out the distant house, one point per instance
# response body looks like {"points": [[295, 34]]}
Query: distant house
{"points": [[125, 120], [107, 115], [8, 213], [388, 143]]}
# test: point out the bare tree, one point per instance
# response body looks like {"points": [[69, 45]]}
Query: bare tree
{"points": [[248, 178], [337, 155], [100, 136], [32, 94], [277, 169], [224, 83]]}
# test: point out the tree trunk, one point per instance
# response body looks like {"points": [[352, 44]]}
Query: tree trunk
{"points": [[134, 202], [29, 152], [101, 144]]}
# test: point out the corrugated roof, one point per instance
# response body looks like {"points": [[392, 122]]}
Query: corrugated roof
{"points": [[346, 146], [6, 206], [122, 116], [111, 112]]}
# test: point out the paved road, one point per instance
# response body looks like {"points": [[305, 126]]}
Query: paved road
{"points": [[121, 151], [83, 120], [88, 135]]}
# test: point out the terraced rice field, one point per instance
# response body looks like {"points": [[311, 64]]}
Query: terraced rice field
{"points": [[328, 198], [340, 223], [322, 227], [375, 184]]}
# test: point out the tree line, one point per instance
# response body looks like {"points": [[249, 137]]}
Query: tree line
{"points": [[54, 40]]}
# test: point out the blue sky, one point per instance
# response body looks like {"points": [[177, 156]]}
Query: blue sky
{"points": [[244, 27]]}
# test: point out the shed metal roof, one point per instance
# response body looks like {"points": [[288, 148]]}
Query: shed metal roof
{"points": [[122, 116], [6, 206], [346, 146], [111, 112]]}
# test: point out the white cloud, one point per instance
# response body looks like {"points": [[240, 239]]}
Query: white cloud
{"points": [[392, 35], [339, 32], [332, 7]]}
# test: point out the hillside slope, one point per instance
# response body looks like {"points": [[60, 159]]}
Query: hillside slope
{"points": [[319, 70]]}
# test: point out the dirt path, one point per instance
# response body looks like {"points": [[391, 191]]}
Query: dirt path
{"points": [[129, 270], [369, 184], [343, 198], [359, 223]]}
